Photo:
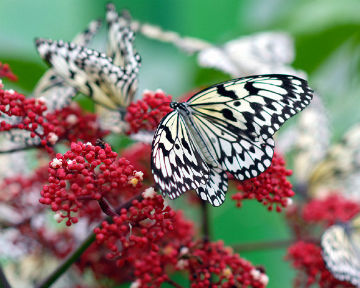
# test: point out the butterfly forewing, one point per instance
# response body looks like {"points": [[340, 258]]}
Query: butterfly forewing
{"points": [[257, 105], [177, 164], [239, 118]]}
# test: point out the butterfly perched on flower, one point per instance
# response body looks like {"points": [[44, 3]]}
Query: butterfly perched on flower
{"points": [[341, 250], [227, 127]]}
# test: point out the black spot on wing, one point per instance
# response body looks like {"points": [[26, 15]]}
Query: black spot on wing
{"points": [[228, 114], [229, 93]]}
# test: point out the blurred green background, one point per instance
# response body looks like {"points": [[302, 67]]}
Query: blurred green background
{"points": [[327, 37]]}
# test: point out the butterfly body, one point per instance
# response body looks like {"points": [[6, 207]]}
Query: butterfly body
{"points": [[186, 113], [226, 127]]}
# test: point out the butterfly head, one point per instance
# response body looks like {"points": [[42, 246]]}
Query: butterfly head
{"points": [[182, 108]]}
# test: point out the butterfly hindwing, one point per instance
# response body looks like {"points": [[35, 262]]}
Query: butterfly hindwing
{"points": [[236, 153], [177, 165], [215, 188]]}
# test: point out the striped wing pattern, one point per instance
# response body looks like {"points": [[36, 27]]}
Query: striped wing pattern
{"points": [[234, 123]]}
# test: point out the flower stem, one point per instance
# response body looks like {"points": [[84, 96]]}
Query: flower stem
{"points": [[205, 221], [80, 250], [106, 208], [3, 281], [67, 263]]}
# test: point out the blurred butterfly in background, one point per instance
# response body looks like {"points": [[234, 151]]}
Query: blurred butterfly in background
{"points": [[339, 169], [93, 73], [109, 79], [341, 250], [259, 53], [227, 127]]}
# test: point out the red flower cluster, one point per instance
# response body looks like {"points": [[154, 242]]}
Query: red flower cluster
{"points": [[25, 114], [150, 240], [269, 188], [330, 210], [143, 262], [145, 239], [87, 173], [143, 224], [70, 123], [146, 114], [73, 124], [212, 264], [306, 257], [5, 72]]}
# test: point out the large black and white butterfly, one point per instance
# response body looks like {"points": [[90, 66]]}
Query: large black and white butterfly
{"points": [[341, 250], [227, 127]]}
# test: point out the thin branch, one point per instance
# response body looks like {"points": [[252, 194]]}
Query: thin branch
{"points": [[106, 208], [56, 274], [3, 281], [277, 244]]}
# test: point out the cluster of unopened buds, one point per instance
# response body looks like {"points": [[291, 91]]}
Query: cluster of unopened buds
{"points": [[84, 174], [144, 237], [270, 188], [145, 114]]}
